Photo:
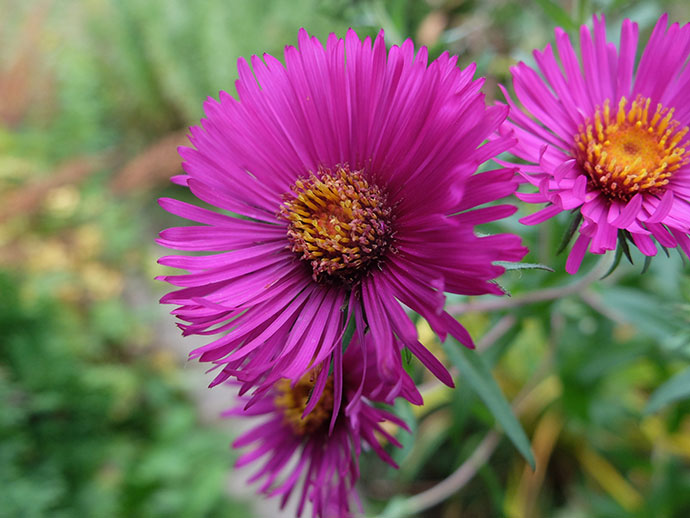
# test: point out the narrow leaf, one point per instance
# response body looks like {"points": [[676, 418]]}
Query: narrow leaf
{"points": [[407, 356], [349, 332], [678, 387], [557, 14], [623, 240], [474, 371], [647, 262], [650, 314], [616, 262], [523, 266], [574, 223]]}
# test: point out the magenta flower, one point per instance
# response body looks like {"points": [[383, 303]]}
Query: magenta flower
{"points": [[609, 139], [303, 444], [345, 180]]}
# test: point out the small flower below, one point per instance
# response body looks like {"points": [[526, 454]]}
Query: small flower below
{"points": [[307, 448], [292, 400]]}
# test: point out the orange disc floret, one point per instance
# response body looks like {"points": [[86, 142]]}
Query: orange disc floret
{"points": [[630, 152]]}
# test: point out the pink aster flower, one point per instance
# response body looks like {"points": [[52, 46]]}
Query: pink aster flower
{"points": [[345, 182], [609, 139], [305, 447]]}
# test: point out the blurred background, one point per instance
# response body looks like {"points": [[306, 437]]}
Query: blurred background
{"points": [[102, 416]]}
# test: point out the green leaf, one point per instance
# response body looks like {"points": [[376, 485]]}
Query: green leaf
{"points": [[649, 314], [623, 243], [559, 15], [647, 262], [572, 227], [349, 332], [407, 356], [616, 262], [584, 10], [678, 387], [474, 371], [347, 336], [523, 266]]}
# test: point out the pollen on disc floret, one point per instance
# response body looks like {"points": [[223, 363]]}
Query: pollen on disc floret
{"points": [[632, 151], [339, 223], [293, 398]]}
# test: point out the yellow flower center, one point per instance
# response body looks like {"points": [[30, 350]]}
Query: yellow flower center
{"points": [[293, 400], [629, 151], [339, 223]]}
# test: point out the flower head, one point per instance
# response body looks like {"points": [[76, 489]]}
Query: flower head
{"points": [[609, 139], [344, 180], [314, 450]]}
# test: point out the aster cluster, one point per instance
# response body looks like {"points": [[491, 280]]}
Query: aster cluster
{"points": [[608, 139], [345, 196]]}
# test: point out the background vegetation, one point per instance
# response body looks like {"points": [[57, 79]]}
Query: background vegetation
{"points": [[100, 414]]}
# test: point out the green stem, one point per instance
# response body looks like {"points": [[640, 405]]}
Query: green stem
{"points": [[535, 296]]}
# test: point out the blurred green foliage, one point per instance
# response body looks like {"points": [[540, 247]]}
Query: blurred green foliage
{"points": [[89, 428], [96, 417]]}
